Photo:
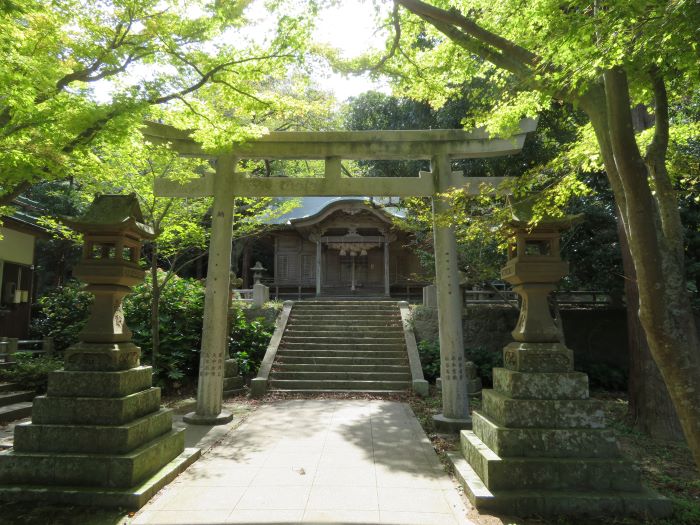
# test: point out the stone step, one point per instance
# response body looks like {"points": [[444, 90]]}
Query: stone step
{"points": [[548, 473], [374, 333], [354, 339], [580, 503], [347, 305], [92, 439], [348, 325], [7, 387], [350, 312], [12, 397], [302, 359], [347, 302], [292, 384], [335, 391], [332, 316], [339, 367], [15, 411], [396, 346], [90, 470], [367, 354], [342, 376]]}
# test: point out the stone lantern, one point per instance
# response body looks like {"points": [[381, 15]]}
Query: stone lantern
{"points": [[112, 231], [261, 293], [258, 270], [539, 443], [99, 436]]}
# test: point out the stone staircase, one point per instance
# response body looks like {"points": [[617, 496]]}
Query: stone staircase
{"points": [[14, 403], [342, 346]]}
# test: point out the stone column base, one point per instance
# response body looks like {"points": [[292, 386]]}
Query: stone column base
{"points": [[221, 418], [451, 425]]}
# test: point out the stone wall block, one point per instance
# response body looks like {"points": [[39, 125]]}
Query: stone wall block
{"points": [[609, 474], [540, 385], [63, 383], [95, 410], [89, 439], [548, 442], [544, 413]]}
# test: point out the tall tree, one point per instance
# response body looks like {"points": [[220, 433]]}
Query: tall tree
{"points": [[603, 57]]}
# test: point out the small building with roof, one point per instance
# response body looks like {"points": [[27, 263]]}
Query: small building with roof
{"points": [[342, 246], [18, 235]]}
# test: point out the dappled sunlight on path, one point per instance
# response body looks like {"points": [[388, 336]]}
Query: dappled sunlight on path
{"points": [[316, 461]]}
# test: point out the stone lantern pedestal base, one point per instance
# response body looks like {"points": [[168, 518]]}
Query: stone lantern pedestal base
{"points": [[539, 445], [96, 438]]}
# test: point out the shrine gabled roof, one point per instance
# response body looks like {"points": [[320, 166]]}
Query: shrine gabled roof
{"points": [[311, 206]]}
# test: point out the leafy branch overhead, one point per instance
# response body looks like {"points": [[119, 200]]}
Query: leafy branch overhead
{"points": [[82, 74]]}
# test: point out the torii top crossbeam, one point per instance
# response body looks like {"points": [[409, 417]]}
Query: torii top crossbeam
{"points": [[334, 146]]}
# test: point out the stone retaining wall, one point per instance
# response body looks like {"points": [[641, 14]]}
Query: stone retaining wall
{"points": [[598, 336]]}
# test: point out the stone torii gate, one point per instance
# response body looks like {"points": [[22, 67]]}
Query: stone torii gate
{"points": [[438, 146]]}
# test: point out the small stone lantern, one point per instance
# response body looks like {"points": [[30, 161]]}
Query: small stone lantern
{"points": [[261, 293], [113, 230], [534, 268], [258, 272]]}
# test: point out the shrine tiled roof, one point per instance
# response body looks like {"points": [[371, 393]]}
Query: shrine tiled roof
{"points": [[310, 206]]}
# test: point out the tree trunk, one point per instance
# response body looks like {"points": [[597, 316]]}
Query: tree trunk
{"points": [[155, 307], [665, 310], [650, 406]]}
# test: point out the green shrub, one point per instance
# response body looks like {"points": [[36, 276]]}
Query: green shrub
{"points": [[181, 313], [248, 341], [429, 353], [31, 372], [485, 361], [62, 314]]}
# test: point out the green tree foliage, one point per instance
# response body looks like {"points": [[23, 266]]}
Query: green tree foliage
{"points": [[81, 74]]}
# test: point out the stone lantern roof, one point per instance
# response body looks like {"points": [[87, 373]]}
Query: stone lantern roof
{"points": [[114, 214], [522, 214]]}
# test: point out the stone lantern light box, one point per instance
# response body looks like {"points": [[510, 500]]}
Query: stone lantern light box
{"points": [[534, 268], [113, 230]]}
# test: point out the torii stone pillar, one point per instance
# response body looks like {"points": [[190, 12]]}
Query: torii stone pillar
{"points": [[214, 337], [455, 400]]}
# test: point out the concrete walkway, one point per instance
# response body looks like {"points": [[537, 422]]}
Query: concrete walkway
{"points": [[316, 461]]}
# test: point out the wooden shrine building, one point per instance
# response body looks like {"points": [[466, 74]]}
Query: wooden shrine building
{"points": [[341, 246]]}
